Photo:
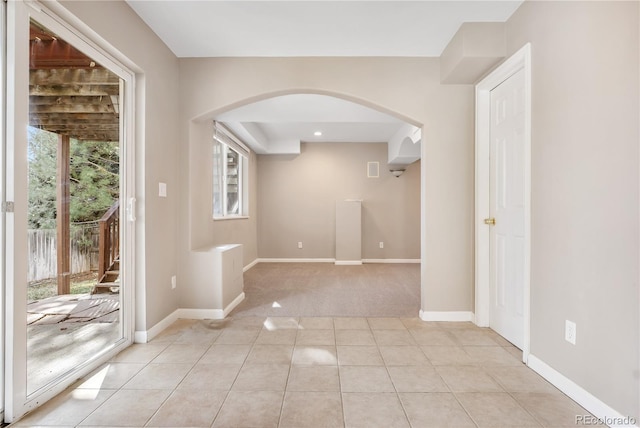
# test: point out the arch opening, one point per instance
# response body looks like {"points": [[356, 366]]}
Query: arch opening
{"points": [[278, 122], [382, 220]]}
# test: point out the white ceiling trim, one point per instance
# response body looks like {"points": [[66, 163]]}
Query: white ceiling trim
{"points": [[278, 125], [306, 108]]}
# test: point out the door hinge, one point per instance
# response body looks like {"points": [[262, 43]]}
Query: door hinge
{"points": [[7, 207]]}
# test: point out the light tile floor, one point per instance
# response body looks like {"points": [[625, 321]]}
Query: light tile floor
{"points": [[313, 372]]}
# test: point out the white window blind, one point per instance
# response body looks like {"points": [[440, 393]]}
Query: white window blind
{"points": [[223, 135], [230, 175]]}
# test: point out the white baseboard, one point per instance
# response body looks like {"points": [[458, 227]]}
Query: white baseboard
{"points": [[250, 265], [324, 260], [348, 262], [295, 260], [453, 316], [231, 306], [186, 313], [200, 314], [584, 398], [140, 337], [146, 335]]}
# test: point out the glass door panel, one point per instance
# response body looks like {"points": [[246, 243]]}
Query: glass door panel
{"points": [[73, 209]]}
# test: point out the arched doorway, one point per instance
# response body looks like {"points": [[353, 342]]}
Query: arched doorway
{"points": [[277, 126]]}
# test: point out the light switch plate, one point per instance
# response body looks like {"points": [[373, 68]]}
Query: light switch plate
{"points": [[162, 190]]}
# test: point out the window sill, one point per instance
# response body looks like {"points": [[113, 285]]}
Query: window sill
{"points": [[232, 217]]}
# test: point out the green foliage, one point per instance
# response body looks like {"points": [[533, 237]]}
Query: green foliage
{"points": [[42, 179], [80, 284], [94, 179], [94, 174]]}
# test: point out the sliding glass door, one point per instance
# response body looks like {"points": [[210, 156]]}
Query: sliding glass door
{"points": [[3, 99], [69, 238]]}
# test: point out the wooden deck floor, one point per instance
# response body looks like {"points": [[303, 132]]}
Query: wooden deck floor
{"points": [[74, 308], [66, 331]]}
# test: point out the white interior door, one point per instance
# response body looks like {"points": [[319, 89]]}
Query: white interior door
{"points": [[507, 209]]}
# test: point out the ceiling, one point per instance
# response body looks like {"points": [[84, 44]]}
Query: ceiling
{"points": [[280, 124], [315, 29], [209, 28], [71, 94]]}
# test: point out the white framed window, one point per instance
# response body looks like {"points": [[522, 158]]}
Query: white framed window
{"points": [[230, 175]]}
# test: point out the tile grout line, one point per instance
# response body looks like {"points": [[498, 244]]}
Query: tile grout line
{"points": [[172, 391], [234, 379], [226, 396], [286, 383], [397, 393], [121, 386], [335, 345], [510, 393], [458, 344], [455, 395], [485, 363], [194, 364], [340, 392]]}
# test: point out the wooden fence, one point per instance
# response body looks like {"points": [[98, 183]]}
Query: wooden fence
{"points": [[43, 251]]}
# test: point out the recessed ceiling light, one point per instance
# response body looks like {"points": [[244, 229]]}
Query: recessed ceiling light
{"points": [[317, 133]]}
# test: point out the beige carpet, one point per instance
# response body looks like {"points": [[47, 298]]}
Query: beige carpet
{"points": [[323, 289]]}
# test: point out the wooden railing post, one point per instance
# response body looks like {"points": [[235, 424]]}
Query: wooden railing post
{"points": [[103, 256], [109, 239], [63, 225]]}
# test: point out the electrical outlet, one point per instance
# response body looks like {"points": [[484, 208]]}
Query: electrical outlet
{"points": [[570, 332], [381, 244], [300, 244], [173, 282]]}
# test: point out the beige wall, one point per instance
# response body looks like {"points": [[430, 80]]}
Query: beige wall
{"points": [[297, 202], [585, 191], [156, 149], [584, 170], [198, 179], [198, 229], [407, 87]]}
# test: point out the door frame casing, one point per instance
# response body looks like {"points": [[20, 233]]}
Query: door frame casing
{"points": [[3, 127], [17, 401], [521, 60]]}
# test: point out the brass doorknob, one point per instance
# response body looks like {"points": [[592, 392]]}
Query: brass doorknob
{"points": [[490, 221]]}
